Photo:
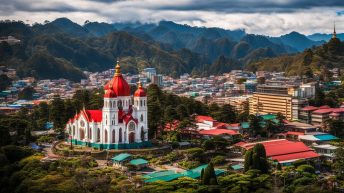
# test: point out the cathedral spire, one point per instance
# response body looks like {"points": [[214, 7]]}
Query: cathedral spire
{"points": [[334, 30], [118, 69]]}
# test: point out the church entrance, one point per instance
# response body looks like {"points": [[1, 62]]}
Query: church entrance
{"points": [[132, 137]]}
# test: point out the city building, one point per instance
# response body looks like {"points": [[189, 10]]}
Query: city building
{"points": [[281, 98], [122, 123]]}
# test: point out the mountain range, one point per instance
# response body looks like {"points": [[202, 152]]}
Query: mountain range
{"points": [[63, 49]]}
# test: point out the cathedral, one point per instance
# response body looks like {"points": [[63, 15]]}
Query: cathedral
{"points": [[122, 122]]}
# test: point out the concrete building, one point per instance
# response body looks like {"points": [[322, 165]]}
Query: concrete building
{"points": [[279, 98]]}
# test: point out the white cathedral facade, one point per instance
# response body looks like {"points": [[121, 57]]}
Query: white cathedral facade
{"points": [[122, 122]]}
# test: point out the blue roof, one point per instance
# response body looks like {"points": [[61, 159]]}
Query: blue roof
{"points": [[169, 175], [121, 157], [139, 161], [325, 137], [237, 167]]}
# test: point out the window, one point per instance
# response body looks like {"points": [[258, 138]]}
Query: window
{"points": [[106, 136], [90, 133], [144, 102], [120, 135], [73, 130], [119, 104], [140, 103], [113, 136], [98, 135], [141, 118], [142, 134]]}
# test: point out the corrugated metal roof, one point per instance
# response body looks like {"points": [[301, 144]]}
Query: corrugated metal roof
{"points": [[121, 157], [138, 161]]}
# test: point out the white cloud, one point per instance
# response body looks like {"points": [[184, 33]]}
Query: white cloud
{"points": [[310, 20]]}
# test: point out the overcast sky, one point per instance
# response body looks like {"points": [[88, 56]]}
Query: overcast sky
{"points": [[269, 17]]}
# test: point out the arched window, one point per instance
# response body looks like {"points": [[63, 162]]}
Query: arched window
{"points": [[119, 104], [120, 135], [98, 135], [144, 102], [90, 133], [106, 136], [142, 134], [140, 103], [81, 133], [141, 118], [73, 130], [113, 136]]}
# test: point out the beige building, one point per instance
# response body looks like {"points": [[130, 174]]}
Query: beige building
{"points": [[273, 99]]}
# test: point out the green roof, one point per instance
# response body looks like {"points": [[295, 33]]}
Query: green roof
{"points": [[121, 157], [138, 161], [159, 174], [237, 167], [165, 178], [268, 116], [245, 125], [169, 175]]}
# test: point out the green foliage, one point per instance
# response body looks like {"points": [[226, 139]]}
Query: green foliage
{"points": [[339, 164], [309, 62], [26, 93], [216, 143], [306, 168], [251, 181], [15, 153], [209, 176], [256, 159], [218, 160], [189, 164]]}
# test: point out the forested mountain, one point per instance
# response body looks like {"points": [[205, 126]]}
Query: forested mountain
{"points": [[63, 49], [311, 61]]}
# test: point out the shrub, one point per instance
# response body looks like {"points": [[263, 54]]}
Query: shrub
{"points": [[16, 153], [306, 168], [194, 153], [218, 160], [189, 164]]}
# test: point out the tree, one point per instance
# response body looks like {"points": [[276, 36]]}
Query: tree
{"points": [[209, 176], [182, 112], [255, 127], [335, 127], [226, 114], [339, 164], [57, 114], [256, 159], [26, 93], [248, 160]]}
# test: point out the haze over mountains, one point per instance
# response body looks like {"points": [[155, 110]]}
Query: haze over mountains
{"points": [[62, 48]]}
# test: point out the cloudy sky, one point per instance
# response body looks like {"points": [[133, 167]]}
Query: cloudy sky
{"points": [[269, 17]]}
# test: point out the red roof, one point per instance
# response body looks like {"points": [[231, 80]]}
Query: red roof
{"points": [[309, 108], [201, 118], [220, 125], [295, 156], [234, 124], [110, 94], [294, 133], [140, 92], [218, 132], [283, 150], [118, 84], [323, 111], [94, 115], [324, 107]]}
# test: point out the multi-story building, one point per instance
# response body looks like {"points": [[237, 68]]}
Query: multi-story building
{"points": [[279, 98]]}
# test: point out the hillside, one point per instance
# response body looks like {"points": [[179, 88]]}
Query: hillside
{"points": [[311, 61], [63, 49]]}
